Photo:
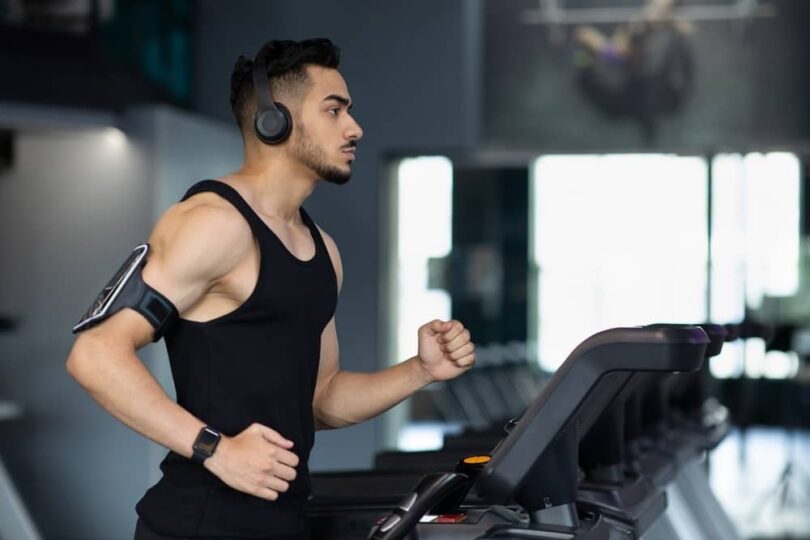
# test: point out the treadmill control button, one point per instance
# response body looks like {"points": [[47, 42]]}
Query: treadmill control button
{"points": [[389, 523], [409, 500]]}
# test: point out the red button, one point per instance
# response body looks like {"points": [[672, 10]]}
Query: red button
{"points": [[450, 518]]}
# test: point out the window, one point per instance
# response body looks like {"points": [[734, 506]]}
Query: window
{"points": [[755, 251], [618, 240], [424, 187]]}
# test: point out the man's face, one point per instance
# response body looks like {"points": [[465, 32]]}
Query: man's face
{"points": [[324, 134]]}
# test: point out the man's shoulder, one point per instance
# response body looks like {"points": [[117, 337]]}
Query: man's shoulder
{"points": [[206, 220], [334, 254], [330, 243], [207, 212]]}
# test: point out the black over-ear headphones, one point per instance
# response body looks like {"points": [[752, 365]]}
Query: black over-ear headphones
{"points": [[272, 121]]}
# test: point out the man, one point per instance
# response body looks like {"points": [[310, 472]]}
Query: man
{"points": [[254, 350]]}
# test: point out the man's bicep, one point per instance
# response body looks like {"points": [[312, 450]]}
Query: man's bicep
{"points": [[175, 280], [191, 251]]}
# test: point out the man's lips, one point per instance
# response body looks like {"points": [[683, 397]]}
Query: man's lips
{"points": [[350, 151]]}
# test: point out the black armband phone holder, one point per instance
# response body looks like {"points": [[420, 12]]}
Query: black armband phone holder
{"points": [[127, 289]]}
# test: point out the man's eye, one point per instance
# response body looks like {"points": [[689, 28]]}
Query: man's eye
{"points": [[334, 112]]}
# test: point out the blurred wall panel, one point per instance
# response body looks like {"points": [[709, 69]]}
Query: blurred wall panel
{"points": [[748, 86], [71, 208]]}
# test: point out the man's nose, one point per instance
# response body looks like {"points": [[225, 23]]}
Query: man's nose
{"points": [[355, 132]]}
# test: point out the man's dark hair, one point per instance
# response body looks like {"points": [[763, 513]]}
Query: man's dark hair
{"points": [[286, 69]]}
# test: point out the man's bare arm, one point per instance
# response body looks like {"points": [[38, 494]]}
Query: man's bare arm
{"points": [[344, 398], [191, 249], [104, 362]]}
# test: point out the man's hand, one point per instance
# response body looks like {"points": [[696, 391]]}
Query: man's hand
{"points": [[258, 461], [445, 350]]}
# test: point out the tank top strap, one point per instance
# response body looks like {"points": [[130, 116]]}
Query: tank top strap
{"points": [[320, 246], [232, 196]]}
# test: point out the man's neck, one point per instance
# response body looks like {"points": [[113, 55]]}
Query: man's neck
{"points": [[277, 187]]}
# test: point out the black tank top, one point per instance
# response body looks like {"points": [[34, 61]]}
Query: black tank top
{"points": [[258, 363]]}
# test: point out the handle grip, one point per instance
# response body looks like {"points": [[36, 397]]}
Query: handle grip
{"points": [[432, 489]]}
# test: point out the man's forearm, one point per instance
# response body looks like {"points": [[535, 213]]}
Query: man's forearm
{"points": [[117, 379], [352, 397]]}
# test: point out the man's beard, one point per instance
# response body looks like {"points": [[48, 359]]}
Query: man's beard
{"points": [[314, 157]]}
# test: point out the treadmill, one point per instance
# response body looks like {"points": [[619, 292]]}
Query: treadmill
{"points": [[527, 486], [625, 470], [696, 511]]}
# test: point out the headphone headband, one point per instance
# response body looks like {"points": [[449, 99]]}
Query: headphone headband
{"points": [[261, 85]]}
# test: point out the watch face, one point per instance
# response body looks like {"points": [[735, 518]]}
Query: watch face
{"points": [[108, 295], [207, 441]]}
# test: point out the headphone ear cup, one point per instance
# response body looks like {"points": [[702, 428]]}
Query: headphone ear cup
{"points": [[273, 126]]}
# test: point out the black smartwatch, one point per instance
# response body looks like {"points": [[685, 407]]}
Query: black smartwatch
{"points": [[205, 445]]}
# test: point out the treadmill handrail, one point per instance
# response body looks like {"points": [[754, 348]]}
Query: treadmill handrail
{"points": [[561, 401]]}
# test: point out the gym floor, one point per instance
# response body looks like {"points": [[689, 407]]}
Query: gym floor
{"points": [[762, 478]]}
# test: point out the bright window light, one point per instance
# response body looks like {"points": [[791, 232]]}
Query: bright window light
{"points": [[421, 437], [425, 196], [781, 365], [772, 219], [771, 364], [755, 359], [424, 190], [728, 258], [755, 250], [728, 239], [729, 363], [618, 240], [755, 228]]}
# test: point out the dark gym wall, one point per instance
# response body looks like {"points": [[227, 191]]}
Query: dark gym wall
{"points": [[749, 90], [411, 68]]}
